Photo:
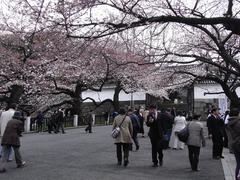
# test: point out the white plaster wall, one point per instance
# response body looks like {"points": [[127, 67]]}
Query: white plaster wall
{"points": [[200, 89], [109, 92]]}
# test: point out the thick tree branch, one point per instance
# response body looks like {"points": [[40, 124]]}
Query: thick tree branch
{"points": [[59, 104], [232, 24], [63, 90]]}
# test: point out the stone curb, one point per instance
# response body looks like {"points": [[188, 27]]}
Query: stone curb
{"points": [[66, 128], [228, 164]]}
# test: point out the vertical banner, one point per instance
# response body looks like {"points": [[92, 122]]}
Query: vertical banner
{"points": [[223, 105]]}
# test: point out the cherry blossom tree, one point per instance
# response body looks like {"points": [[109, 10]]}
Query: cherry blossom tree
{"points": [[210, 33], [61, 69], [13, 71], [127, 67], [106, 17], [215, 50], [208, 30]]}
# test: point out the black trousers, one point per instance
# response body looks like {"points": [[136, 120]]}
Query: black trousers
{"points": [[125, 148], [142, 127], [157, 152], [217, 146], [225, 142], [39, 126], [193, 154], [89, 128], [52, 127], [237, 156], [5, 153], [61, 126]]}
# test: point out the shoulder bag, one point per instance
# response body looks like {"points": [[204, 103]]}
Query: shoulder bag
{"points": [[183, 134], [116, 130]]}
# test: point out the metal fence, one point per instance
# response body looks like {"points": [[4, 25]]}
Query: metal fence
{"points": [[68, 122]]}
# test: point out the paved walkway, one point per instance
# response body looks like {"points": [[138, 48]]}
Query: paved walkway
{"points": [[79, 156], [229, 164]]}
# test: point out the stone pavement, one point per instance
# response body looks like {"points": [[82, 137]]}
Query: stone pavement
{"points": [[80, 156], [229, 164]]}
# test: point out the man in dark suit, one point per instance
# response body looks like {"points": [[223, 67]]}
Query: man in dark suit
{"points": [[156, 133], [215, 128], [39, 121], [60, 121], [89, 122], [11, 139]]}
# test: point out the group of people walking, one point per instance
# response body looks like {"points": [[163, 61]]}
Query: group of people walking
{"points": [[163, 133], [55, 123], [163, 128]]}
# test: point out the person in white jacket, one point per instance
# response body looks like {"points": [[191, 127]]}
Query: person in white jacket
{"points": [[179, 124], [5, 117]]}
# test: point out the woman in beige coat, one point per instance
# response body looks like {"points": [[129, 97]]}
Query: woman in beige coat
{"points": [[124, 140]]}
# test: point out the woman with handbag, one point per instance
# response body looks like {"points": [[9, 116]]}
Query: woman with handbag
{"points": [[195, 140], [123, 140], [179, 124]]}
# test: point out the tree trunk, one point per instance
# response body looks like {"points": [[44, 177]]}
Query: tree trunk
{"points": [[232, 95], [235, 103], [117, 91], [16, 92], [77, 109], [77, 103]]}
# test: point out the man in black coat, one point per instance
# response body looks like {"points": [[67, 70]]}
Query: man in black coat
{"points": [[168, 121], [39, 120], [216, 128], [156, 134], [89, 122], [60, 120]]}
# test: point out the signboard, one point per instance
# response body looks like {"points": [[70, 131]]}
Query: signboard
{"points": [[223, 105]]}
